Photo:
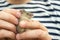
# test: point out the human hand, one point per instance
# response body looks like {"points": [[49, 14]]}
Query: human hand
{"points": [[40, 32], [8, 20]]}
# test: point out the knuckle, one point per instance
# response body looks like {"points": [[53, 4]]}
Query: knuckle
{"points": [[7, 33]]}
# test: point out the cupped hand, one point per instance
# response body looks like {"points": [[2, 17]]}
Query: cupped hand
{"points": [[37, 32], [8, 20]]}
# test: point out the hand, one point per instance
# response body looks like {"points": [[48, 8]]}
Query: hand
{"points": [[8, 20], [40, 32]]}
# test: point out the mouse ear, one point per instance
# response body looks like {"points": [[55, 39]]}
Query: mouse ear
{"points": [[30, 14], [22, 11]]}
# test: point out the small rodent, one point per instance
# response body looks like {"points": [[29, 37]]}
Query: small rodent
{"points": [[25, 16], [18, 1]]}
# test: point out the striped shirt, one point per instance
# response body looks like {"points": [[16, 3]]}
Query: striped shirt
{"points": [[45, 11]]}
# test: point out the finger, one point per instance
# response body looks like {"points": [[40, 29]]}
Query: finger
{"points": [[14, 12], [2, 39], [31, 39], [8, 17], [32, 24], [33, 34], [6, 39], [6, 25], [6, 34]]}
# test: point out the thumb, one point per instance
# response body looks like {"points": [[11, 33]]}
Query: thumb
{"points": [[33, 34], [32, 24]]}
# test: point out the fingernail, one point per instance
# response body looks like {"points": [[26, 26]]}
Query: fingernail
{"points": [[18, 37], [16, 21], [22, 24], [18, 14]]}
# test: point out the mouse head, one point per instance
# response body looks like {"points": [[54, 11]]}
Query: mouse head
{"points": [[26, 14]]}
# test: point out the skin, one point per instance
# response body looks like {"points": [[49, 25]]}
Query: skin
{"points": [[8, 20], [18, 1]]}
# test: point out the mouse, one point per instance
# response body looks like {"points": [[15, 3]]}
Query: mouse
{"points": [[24, 16]]}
